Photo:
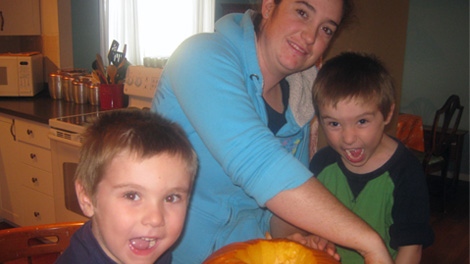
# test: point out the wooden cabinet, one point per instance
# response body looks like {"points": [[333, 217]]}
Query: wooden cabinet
{"points": [[35, 171], [20, 17], [25, 172], [10, 183]]}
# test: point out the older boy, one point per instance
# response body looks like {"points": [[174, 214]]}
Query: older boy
{"points": [[371, 173], [133, 180]]}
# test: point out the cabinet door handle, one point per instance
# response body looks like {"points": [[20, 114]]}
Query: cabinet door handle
{"points": [[34, 180], [12, 128], [2, 22], [36, 214], [29, 132], [32, 155]]}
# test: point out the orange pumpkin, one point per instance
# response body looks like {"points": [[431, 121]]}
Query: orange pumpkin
{"points": [[269, 251]]}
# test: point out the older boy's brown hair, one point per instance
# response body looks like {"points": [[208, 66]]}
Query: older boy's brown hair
{"points": [[354, 75], [143, 134]]}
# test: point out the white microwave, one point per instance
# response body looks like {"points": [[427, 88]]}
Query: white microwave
{"points": [[21, 74]]}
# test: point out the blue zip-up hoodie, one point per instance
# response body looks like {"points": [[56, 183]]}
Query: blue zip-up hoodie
{"points": [[212, 86]]}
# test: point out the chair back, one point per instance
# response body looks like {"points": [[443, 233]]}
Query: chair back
{"points": [[34, 241], [445, 125]]}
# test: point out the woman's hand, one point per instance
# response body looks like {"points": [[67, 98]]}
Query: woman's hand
{"points": [[315, 242]]}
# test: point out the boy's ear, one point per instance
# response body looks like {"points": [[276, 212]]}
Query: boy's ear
{"points": [[86, 202], [390, 114]]}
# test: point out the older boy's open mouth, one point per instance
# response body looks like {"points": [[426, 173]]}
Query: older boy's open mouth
{"points": [[354, 155]]}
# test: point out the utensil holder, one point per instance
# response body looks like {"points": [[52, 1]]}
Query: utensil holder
{"points": [[112, 96]]}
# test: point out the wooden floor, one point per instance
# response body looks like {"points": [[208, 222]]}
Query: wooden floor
{"points": [[451, 228]]}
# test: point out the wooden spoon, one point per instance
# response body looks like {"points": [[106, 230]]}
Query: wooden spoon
{"points": [[101, 71], [112, 70]]}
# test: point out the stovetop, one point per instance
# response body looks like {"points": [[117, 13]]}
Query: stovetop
{"points": [[76, 123]]}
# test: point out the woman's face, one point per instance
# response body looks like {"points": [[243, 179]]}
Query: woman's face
{"points": [[295, 33]]}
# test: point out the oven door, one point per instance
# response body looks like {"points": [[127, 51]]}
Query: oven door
{"points": [[65, 156]]}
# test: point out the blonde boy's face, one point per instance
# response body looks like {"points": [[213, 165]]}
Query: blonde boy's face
{"points": [[355, 129], [140, 207]]}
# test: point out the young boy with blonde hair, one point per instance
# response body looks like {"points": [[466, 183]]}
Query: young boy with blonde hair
{"points": [[370, 172], [133, 180]]}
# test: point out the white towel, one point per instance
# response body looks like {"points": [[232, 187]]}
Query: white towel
{"points": [[300, 95]]}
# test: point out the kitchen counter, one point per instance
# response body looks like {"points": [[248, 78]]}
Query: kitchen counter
{"points": [[42, 107]]}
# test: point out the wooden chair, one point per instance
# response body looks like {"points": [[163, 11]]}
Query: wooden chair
{"points": [[437, 154], [35, 241]]}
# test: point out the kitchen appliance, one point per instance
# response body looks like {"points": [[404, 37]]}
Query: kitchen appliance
{"points": [[21, 74], [66, 140]]}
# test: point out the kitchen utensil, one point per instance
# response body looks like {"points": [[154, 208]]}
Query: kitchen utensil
{"points": [[117, 57], [121, 71], [114, 47], [94, 77], [124, 50], [94, 65], [112, 71], [101, 71], [55, 86]]}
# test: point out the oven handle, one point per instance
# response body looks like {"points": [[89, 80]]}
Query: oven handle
{"points": [[65, 141]]}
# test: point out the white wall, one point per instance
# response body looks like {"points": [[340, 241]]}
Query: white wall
{"points": [[437, 60]]}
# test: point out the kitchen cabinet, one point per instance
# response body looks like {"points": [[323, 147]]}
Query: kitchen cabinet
{"points": [[27, 196], [20, 18], [10, 202], [35, 172]]}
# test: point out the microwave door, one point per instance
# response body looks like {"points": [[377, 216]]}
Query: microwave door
{"points": [[8, 76]]}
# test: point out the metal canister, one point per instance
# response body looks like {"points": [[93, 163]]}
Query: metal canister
{"points": [[55, 86], [80, 91], [94, 93], [66, 82]]}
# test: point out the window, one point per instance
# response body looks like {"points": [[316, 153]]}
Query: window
{"points": [[153, 28]]}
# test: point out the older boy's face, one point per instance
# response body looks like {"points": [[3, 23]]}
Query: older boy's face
{"points": [[355, 129], [141, 207]]}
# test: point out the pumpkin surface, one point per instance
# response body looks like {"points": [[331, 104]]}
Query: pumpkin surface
{"points": [[269, 251]]}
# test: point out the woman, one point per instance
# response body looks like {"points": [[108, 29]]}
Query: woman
{"points": [[242, 94]]}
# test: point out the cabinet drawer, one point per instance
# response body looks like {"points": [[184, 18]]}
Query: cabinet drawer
{"points": [[36, 179], [35, 156], [33, 133], [38, 208]]}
